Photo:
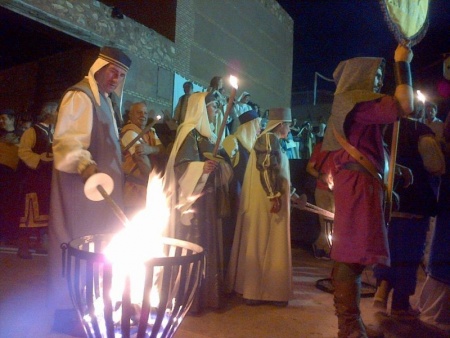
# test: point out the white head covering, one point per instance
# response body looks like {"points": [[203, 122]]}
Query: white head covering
{"points": [[106, 56], [196, 118], [243, 95], [247, 133]]}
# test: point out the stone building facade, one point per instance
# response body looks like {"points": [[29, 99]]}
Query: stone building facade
{"points": [[252, 39]]}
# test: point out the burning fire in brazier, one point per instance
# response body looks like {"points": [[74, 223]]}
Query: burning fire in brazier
{"points": [[134, 283], [150, 303]]}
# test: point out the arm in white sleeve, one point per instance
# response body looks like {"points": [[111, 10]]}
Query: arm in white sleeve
{"points": [[73, 132], [432, 156], [129, 136]]}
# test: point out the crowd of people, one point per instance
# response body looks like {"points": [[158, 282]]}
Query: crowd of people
{"points": [[229, 185]]}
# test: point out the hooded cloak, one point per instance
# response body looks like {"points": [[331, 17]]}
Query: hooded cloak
{"points": [[354, 80]]}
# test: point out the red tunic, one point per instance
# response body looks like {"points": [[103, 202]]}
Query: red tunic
{"points": [[359, 231]]}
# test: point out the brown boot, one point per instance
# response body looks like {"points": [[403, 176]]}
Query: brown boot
{"points": [[346, 303], [347, 288]]}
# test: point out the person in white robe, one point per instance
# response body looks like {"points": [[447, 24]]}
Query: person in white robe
{"points": [[193, 180], [260, 266], [86, 141]]}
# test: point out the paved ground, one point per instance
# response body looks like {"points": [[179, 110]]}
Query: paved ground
{"points": [[309, 314]]}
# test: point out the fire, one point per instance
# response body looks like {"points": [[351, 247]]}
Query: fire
{"points": [[420, 96], [234, 82], [330, 181], [136, 283], [140, 241]]}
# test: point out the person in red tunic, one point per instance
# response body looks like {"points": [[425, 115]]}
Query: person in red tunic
{"points": [[321, 166], [354, 132]]}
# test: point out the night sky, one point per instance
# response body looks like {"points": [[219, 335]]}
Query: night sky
{"points": [[328, 31]]}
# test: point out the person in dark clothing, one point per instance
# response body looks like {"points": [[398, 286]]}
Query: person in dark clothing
{"points": [[419, 151]]}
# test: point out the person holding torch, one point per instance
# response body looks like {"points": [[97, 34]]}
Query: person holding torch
{"points": [[86, 142], [354, 133]]}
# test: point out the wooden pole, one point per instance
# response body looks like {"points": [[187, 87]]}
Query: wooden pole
{"points": [[116, 209], [391, 173], [142, 133]]}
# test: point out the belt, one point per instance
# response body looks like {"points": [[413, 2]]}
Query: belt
{"points": [[355, 166], [405, 215]]}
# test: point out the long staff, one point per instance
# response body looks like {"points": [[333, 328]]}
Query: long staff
{"points": [[142, 133], [408, 21]]}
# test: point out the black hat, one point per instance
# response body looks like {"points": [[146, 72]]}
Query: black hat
{"points": [[115, 56], [7, 111], [248, 116]]}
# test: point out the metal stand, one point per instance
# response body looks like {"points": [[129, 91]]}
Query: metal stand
{"points": [[168, 285]]}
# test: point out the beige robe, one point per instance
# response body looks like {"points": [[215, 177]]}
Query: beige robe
{"points": [[260, 265]]}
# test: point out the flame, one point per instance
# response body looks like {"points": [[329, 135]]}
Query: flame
{"points": [[330, 181], [421, 97], [140, 241], [234, 81]]}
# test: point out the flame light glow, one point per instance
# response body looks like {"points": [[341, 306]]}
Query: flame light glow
{"points": [[140, 241], [234, 82], [420, 96], [135, 283]]}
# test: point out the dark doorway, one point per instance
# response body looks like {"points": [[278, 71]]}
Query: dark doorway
{"points": [[37, 62]]}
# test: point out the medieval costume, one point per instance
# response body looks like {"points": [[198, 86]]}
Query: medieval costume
{"points": [[321, 166], [195, 196], [9, 159], [359, 232], [434, 301], [135, 189], [86, 133], [35, 152], [419, 151], [260, 266], [238, 147], [239, 108]]}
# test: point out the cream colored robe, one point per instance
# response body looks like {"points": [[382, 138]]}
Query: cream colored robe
{"points": [[260, 265]]}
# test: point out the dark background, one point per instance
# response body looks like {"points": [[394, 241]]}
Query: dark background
{"points": [[329, 31]]}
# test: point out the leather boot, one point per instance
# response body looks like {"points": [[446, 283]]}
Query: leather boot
{"points": [[346, 303], [346, 280]]}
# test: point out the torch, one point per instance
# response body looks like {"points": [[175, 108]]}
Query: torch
{"points": [[142, 133], [98, 187], [234, 87]]}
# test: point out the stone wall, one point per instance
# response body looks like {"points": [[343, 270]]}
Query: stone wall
{"points": [[249, 38]]}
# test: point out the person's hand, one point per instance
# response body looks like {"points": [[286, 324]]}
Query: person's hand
{"points": [[46, 157], [276, 205], [403, 53], [90, 170], [143, 149], [209, 166]]}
